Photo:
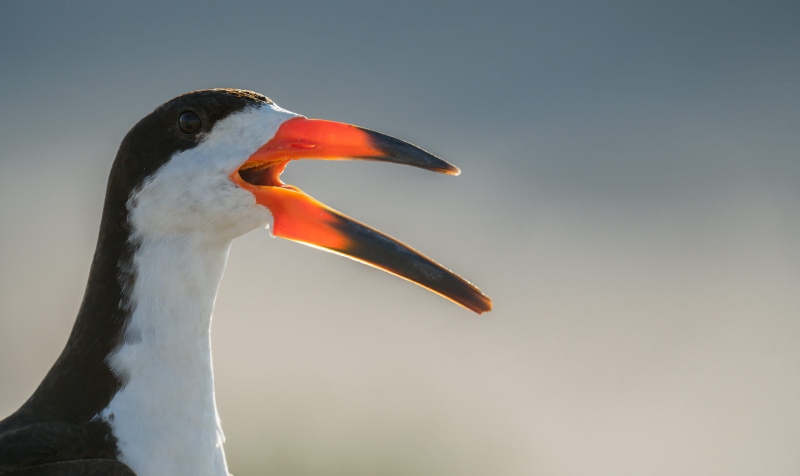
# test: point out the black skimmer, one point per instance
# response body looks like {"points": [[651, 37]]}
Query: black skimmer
{"points": [[132, 392]]}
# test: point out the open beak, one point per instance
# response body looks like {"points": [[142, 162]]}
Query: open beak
{"points": [[298, 217]]}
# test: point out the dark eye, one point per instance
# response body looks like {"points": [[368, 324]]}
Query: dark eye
{"points": [[189, 122]]}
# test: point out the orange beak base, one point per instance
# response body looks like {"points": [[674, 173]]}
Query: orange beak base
{"points": [[298, 217]]}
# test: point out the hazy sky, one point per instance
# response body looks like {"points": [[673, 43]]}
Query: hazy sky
{"points": [[629, 199]]}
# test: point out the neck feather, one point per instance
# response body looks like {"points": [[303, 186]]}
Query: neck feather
{"points": [[164, 417]]}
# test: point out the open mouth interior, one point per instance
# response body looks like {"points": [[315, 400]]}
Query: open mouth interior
{"points": [[263, 174]]}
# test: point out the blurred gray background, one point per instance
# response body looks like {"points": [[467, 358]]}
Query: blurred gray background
{"points": [[629, 199]]}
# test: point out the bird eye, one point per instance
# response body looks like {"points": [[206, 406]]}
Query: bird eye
{"points": [[189, 122]]}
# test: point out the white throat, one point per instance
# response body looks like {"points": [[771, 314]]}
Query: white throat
{"points": [[165, 417]]}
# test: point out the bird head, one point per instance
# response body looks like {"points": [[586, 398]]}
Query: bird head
{"points": [[209, 163]]}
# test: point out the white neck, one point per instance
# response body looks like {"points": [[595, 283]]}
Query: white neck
{"points": [[165, 417]]}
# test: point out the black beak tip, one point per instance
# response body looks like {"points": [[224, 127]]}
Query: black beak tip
{"points": [[450, 170], [405, 153]]}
